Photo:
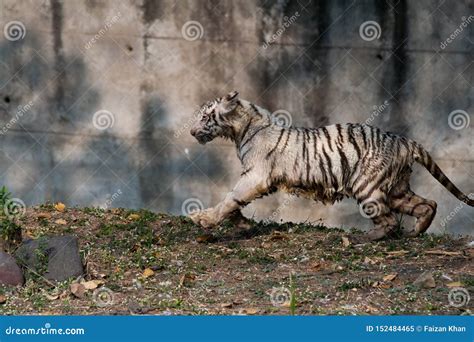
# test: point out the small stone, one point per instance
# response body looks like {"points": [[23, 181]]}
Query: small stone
{"points": [[78, 290], [425, 280], [10, 272]]}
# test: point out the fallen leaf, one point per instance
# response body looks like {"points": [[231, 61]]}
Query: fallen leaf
{"points": [[250, 311], [425, 280], [454, 284], [186, 279], [204, 238], [60, 206], [51, 297], [397, 253], [370, 261], [92, 284], [61, 222], [43, 216], [148, 272], [390, 277], [3, 299], [441, 252], [277, 235], [226, 305], [315, 266], [345, 242], [78, 290], [133, 217]]}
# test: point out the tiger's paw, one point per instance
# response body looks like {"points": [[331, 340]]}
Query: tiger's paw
{"points": [[204, 218]]}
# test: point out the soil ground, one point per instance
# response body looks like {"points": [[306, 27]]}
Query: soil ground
{"points": [[148, 263]]}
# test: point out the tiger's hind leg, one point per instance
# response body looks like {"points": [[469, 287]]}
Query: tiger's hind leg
{"points": [[411, 204], [377, 209]]}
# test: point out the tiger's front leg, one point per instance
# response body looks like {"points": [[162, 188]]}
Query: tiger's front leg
{"points": [[247, 189]]}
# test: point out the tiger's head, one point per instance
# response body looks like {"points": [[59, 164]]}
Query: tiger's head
{"points": [[215, 118]]}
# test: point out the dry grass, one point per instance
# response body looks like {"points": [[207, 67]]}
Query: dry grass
{"points": [[237, 271]]}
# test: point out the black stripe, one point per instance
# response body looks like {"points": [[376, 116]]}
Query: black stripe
{"points": [[305, 152], [372, 141], [364, 137], [352, 140], [246, 171], [344, 166], [245, 130], [276, 145], [340, 137], [253, 135], [255, 109], [326, 133], [286, 141], [331, 174], [240, 203]]}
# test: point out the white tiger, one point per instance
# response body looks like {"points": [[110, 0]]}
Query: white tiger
{"points": [[325, 164]]}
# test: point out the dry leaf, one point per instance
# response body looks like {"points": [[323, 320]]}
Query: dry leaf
{"points": [[60, 206], [204, 238], [345, 242], [397, 253], [250, 311], [78, 290], [51, 297], [92, 284], [186, 279], [370, 261], [3, 299], [425, 280], [390, 277], [454, 284], [61, 222], [277, 235], [441, 252], [43, 216], [133, 217], [148, 272], [226, 305]]}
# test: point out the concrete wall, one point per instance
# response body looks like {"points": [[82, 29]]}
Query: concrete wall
{"points": [[137, 61]]}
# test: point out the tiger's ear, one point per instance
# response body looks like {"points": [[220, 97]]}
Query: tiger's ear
{"points": [[228, 103]]}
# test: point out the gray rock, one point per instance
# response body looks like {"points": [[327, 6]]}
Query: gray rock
{"points": [[10, 272], [55, 258]]}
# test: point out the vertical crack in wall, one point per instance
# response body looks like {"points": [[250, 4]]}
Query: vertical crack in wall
{"points": [[59, 64], [394, 18]]}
